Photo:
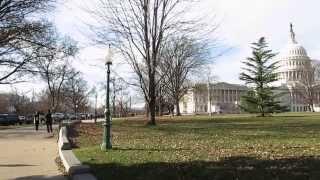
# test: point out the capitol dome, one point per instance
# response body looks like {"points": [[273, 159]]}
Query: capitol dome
{"points": [[293, 51], [293, 60]]}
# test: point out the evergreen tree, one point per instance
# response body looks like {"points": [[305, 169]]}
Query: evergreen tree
{"points": [[259, 73]]}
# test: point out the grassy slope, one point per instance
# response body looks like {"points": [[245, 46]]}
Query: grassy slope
{"points": [[202, 148]]}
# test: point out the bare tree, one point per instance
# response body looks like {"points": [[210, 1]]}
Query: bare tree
{"points": [[53, 65], [21, 103], [138, 29], [21, 35], [17, 102], [182, 56], [4, 103], [42, 103], [55, 76], [120, 95], [75, 91], [93, 92]]}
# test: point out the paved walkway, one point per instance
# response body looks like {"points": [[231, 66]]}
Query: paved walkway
{"points": [[92, 120], [27, 154]]}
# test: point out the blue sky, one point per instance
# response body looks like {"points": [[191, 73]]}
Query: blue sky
{"points": [[241, 22]]}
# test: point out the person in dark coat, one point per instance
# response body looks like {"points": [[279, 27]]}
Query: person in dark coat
{"points": [[37, 120], [49, 121]]}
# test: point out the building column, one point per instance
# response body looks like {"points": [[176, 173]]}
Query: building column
{"points": [[232, 96], [293, 75], [228, 95], [291, 99], [290, 75], [237, 94], [223, 95]]}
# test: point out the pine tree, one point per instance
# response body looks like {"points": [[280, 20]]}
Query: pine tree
{"points": [[259, 74]]}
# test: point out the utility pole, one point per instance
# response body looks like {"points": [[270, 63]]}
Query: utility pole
{"points": [[209, 98], [95, 108], [160, 101], [114, 97], [130, 105]]}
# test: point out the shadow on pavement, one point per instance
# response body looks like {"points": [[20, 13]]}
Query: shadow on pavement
{"points": [[16, 165], [41, 177]]}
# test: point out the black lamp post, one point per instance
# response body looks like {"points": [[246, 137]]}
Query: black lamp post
{"points": [[106, 143]]}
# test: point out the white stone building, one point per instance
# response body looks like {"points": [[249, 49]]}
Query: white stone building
{"points": [[296, 72], [295, 65], [223, 98]]}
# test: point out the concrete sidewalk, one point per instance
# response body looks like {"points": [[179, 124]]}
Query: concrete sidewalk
{"points": [[92, 120], [27, 154]]}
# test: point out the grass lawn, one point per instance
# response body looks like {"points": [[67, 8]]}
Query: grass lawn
{"points": [[286, 146]]}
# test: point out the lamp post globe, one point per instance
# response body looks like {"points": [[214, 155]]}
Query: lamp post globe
{"points": [[106, 143], [76, 110], [236, 103], [109, 57]]}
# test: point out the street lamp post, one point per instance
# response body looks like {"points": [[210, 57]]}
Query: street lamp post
{"points": [[106, 143]]}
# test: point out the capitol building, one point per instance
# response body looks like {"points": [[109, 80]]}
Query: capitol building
{"points": [[296, 82]]}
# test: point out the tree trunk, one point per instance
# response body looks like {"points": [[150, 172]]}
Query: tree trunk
{"points": [[114, 107], [263, 113], [160, 107], [178, 113], [53, 103], [152, 113], [152, 101]]}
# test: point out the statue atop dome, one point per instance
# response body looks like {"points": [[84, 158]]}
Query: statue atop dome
{"points": [[293, 35]]}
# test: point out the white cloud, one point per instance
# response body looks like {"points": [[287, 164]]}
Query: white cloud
{"points": [[242, 22], [246, 20]]}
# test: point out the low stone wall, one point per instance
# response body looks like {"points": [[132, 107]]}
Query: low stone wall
{"points": [[73, 166]]}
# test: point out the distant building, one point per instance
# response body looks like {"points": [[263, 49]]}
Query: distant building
{"points": [[224, 97], [296, 68], [5, 104]]}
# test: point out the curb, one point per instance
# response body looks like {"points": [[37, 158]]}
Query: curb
{"points": [[75, 169]]}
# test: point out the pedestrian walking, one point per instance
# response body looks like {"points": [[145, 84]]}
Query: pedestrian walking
{"points": [[37, 120], [49, 121]]}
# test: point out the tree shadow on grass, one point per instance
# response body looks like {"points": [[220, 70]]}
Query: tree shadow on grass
{"points": [[208, 129], [295, 116], [234, 168], [151, 149]]}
